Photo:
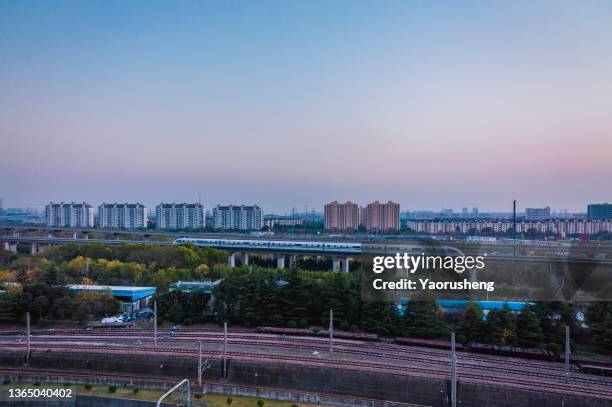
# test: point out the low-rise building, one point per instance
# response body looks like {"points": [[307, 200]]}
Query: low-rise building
{"points": [[132, 298]]}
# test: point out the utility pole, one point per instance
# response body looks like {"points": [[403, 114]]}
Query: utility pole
{"points": [[224, 349], [331, 333], [28, 333], [514, 225], [155, 324], [453, 372], [567, 353], [200, 364]]}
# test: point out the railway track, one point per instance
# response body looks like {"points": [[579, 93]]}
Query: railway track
{"points": [[594, 389]]}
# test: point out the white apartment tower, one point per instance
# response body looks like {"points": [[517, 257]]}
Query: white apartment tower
{"points": [[234, 217], [122, 216], [69, 215], [179, 216]]}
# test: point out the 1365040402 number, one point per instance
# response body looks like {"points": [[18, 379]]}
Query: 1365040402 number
{"points": [[40, 393]]}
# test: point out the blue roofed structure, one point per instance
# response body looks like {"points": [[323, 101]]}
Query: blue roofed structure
{"points": [[132, 298], [457, 306]]}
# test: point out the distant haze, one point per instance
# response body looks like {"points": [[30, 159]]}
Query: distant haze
{"points": [[288, 104]]}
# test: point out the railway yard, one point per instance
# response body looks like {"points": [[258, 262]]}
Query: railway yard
{"points": [[348, 355]]}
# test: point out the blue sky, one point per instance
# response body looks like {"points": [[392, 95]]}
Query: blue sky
{"points": [[287, 104]]}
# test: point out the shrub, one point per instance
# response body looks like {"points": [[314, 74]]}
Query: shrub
{"points": [[6, 381], [294, 405], [112, 389], [135, 390], [554, 348], [42, 323], [88, 387], [260, 403], [354, 328], [198, 395], [66, 384], [36, 384], [229, 401], [188, 321], [291, 324], [344, 326], [303, 323]]}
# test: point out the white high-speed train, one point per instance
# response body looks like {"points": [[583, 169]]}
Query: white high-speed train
{"points": [[274, 245]]}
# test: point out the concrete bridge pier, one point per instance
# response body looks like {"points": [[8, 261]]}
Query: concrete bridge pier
{"points": [[36, 248], [11, 247], [85, 235], [245, 259], [231, 260], [292, 261], [75, 235], [280, 262], [335, 264], [345, 265]]}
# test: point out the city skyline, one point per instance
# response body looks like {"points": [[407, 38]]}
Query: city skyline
{"points": [[208, 207], [431, 105]]}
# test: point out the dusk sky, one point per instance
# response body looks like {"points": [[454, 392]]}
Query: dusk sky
{"points": [[287, 104]]}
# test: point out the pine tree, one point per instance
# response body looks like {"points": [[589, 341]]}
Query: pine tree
{"points": [[528, 329], [421, 318], [8, 307], [599, 318], [471, 326], [380, 317], [500, 325]]}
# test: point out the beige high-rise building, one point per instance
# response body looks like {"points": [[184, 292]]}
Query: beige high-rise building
{"points": [[382, 217], [341, 217]]}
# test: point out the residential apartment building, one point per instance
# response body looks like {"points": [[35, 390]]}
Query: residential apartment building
{"points": [[382, 217], [69, 215], [341, 216], [276, 220], [599, 211], [179, 216], [537, 213], [238, 217], [559, 227], [122, 216]]}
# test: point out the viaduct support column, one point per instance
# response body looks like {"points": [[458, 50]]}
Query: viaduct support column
{"points": [[11, 247], [231, 260], [335, 264], [292, 261], [74, 235], [245, 258], [345, 265], [85, 235], [280, 262]]}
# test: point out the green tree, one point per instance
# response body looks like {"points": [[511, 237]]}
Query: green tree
{"points": [[528, 329], [471, 325], [422, 318], [500, 326], [599, 318], [8, 307], [380, 317]]}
